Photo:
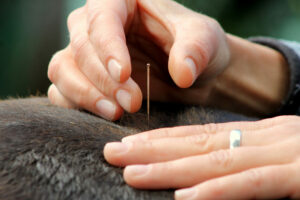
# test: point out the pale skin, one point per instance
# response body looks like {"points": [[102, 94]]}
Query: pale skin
{"points": [[197, 158], [103, 70]]}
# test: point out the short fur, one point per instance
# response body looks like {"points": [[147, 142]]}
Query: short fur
{"points": [[47, 152]]}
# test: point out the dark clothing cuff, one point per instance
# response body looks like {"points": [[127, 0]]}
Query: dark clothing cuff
{"points": [[291, 52]]}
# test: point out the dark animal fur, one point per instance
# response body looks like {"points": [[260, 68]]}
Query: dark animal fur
{"points": [[48, 152]]}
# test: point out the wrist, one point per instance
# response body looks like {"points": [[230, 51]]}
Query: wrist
{"points": [[255, 81]]}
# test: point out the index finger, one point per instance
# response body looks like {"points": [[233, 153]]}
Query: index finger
{"points": [[211, 128], [106, 23]]}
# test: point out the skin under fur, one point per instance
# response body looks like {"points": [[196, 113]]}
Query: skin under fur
{"points": [[47, 152]]}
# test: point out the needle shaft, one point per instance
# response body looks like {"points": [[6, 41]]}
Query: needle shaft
{"points": [[148, 93]]}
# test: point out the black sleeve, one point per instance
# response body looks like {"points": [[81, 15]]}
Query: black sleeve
{"points": [[291, 52]]}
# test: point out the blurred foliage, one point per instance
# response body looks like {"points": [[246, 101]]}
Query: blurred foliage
{"points": [[274, 18], [33, 30], [30, 34]]}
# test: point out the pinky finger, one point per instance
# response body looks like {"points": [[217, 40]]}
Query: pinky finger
{"points": [[272, 182], [58, 99]]}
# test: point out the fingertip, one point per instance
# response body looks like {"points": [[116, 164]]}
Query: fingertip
{"points": [[130, 102], [191, 65], [127, 175], [188, 59], [56, 98], [136, 102], [124, 98], [106, 153], [114, 69], [135, 138], [50, 91], [187, 193], [135, 175], [130, 96], [118, 114], [183, 73], [137, 99], [125, 73], [118, 71], [183, 67], [110, 151], [108, 110]]}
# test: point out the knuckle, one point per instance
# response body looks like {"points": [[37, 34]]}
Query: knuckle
{"points": [[54, 66], [294, 190], [254, 177], [204, 50], [166, 132], [292, 127], [50, 94], [289, 129], [291, 118], [280, 120], [213, 24], [216, 189], [149, 146], [160, 168], [105, 84], [95, 15], [81, 96], [79, 43], [73, 17], [211, 128], [222, 158], [207, 23], [103, 38], [202, 141], [104, 42]]}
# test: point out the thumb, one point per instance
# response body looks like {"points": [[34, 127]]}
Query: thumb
{"points": [[189, 56]]}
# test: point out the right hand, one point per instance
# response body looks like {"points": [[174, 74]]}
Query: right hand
{"points": [[94, 71]]}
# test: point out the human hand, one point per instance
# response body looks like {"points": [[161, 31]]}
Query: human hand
{"points": [[94, 71], [265, 166]]}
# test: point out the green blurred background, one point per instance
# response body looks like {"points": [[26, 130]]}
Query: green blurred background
{"points": [[33, 30]]}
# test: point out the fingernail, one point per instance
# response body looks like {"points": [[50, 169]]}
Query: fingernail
{"points": [[124, 99], [114, 69], [106, 109], [128, 139], [192, 66], [118, 147], [137, 170], [134, 138], [190, 194]]}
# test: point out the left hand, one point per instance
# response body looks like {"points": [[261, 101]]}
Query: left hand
{"points": [[198, 158]]}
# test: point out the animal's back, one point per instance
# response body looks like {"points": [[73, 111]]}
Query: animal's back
{"points": [[48, 152]]}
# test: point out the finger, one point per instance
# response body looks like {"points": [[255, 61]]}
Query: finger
{"points": [[167, 149], [58, 99], [271, 182], [106, 22], [64, 73], [128, 95], [211, 128], [205, 167], [188, 47], [189, 55]]}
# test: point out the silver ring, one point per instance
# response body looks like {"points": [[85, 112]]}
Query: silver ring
{"points": [[235, 138]]}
